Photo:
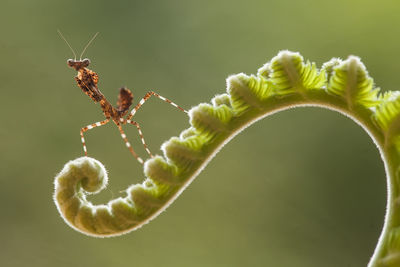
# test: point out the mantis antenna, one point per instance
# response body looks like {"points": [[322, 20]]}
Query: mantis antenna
{"points": [[91, 40], [62, 36]]}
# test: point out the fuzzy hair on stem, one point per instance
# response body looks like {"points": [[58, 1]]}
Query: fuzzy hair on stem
{"points": [[287, 81]]}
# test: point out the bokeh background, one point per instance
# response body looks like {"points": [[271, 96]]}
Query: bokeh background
{"points": [[304, 187]]}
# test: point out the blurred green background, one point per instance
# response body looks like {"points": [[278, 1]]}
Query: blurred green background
{"points": [[304, 187]]}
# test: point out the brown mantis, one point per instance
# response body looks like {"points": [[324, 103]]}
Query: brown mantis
{"points": [[87, 80]]}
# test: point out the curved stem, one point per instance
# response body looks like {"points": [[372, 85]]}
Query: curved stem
{"points": [[285, 82]]}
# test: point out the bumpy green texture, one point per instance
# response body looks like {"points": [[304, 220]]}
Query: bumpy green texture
{"points": [[285, 82]]}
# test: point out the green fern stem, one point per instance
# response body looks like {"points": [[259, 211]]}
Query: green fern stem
{"points": [[285, 82]]}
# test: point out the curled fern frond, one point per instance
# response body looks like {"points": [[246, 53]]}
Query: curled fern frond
{"points": [[210, 120], [350, 80], [283, 83], [290, 74], [242, 100], [388, 110], [329, 67]]}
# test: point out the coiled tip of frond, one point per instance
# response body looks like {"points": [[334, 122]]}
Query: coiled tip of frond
{"points": [[87, 173], [286, 81]]}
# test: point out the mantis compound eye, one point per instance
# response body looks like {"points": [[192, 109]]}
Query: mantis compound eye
{"points": [[70, 62], [86, 62]]}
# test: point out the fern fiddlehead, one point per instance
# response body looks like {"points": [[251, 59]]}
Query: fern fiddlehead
{"points": [[285, 82]]}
